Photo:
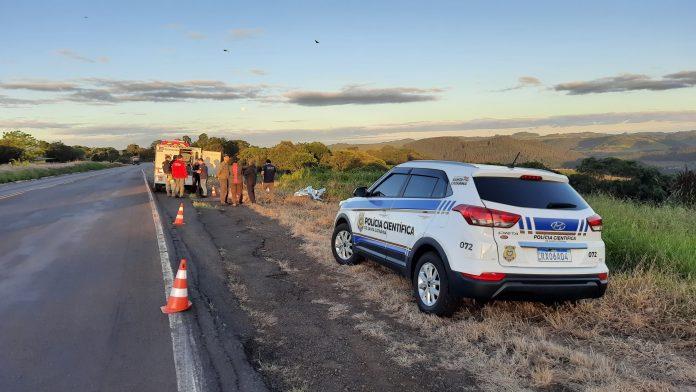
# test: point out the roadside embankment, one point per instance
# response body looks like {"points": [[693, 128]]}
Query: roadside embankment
{"points": [[12, 173]]}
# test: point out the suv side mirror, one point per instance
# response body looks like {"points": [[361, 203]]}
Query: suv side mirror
{"points": [[361, 192]]}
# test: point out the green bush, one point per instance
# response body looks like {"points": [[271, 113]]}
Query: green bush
{"points": [[342, 160], [339, 184], [9, 154], [642, 234]]}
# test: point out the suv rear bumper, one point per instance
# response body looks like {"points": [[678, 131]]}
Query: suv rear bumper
{"points": [[525, 287]]}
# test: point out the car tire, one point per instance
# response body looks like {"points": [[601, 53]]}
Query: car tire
{"points": [[342, 245], [431, 286]]}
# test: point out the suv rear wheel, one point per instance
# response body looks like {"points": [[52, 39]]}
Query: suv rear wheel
{"points": [[431, 286], [342, 245]]}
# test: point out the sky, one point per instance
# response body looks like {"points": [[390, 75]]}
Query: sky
{"points": [[103, 73]]}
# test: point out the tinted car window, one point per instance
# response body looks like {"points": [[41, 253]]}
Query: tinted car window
{"points": [[420, 186], [391, 186], [441, 189], [529, 194]]}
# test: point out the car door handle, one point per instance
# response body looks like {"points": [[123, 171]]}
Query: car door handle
{"points": [[384, 214]]}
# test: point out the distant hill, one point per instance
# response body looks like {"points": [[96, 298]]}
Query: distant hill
{"points": [[668, 150], [495, 149]]}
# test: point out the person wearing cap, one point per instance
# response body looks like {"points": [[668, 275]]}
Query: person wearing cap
{"points": [[179, 173], [236, 179], [167, 170], [223, 175]]}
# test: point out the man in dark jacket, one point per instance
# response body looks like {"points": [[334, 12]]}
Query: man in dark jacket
{"points": [[250, 180], [167, 170], [268, 171], [203, 177], [196, 178]]}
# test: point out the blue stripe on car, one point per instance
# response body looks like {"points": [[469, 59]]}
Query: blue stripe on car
{"points": [[358, 239], [529, 223], [553, 224]]}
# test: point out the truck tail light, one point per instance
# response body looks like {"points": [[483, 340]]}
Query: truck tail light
{"points": [[482, 216], [485, 276], [595, 222], [603, 276]]}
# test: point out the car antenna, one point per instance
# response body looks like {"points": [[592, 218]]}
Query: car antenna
{"points": [[512, 165]]}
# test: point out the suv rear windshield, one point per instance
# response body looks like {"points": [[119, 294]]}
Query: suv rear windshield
{"points": [[529, 194]]}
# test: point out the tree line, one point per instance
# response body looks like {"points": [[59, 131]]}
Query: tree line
{"points": [[19, 146]]}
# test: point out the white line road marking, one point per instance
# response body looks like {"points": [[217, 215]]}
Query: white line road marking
{"points": [[187, 363]]}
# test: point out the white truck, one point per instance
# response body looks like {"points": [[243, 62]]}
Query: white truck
{"points": [[177, 147]]}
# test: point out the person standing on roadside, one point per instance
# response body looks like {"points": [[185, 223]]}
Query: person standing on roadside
{"points": [[167, 170], [202, 172], [179, 173], [236, 182], [268, 172], [196, 178], [223, 175], [250, 181]]}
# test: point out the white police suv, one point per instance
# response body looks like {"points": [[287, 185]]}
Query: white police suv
{"points": [[478, 231]]}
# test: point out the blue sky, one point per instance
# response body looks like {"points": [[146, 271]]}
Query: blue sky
{"points": [[138, 71]]}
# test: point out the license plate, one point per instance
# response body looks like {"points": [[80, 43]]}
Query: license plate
{"points": [[553, 255]]}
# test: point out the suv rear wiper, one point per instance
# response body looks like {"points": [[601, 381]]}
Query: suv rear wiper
{"points": [[554, 205]]}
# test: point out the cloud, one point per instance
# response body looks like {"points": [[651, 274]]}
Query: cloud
{"points": [[39, 85], [257, 71], [6, 101], [110, 91], [357, 95], [196, 36], [524, 81], [67, 53], [240, 34], [33, 124], [629, 82]]}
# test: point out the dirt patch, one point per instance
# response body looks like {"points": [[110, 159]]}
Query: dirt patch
{"points": [[641, 336], [313, 332]]}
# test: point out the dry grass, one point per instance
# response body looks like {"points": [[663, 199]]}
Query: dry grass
{"points": [[640, 336]]}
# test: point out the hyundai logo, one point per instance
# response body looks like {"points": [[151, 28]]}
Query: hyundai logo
{"points": [[558, 225]]}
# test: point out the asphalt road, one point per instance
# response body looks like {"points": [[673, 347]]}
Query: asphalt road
{"points": [[81, 285]]}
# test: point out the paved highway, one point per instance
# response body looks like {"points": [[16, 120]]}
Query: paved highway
{"points": [[81, 285]]}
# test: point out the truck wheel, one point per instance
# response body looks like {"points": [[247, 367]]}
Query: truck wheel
{"points": [[342, 246], [431, 286]]}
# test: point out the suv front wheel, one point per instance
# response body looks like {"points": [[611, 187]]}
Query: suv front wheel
{"points": [[431, 286], [342, 245]]}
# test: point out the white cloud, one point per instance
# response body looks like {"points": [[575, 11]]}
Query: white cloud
{"points": [[70, 54], [240, 34]]}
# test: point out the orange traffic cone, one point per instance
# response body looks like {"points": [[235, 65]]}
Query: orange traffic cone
{"points": [[180, 216], [178, 298], [213, 193]]}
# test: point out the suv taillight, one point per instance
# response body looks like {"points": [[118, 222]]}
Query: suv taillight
{"points": [[482, 216], [595, 222]]}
